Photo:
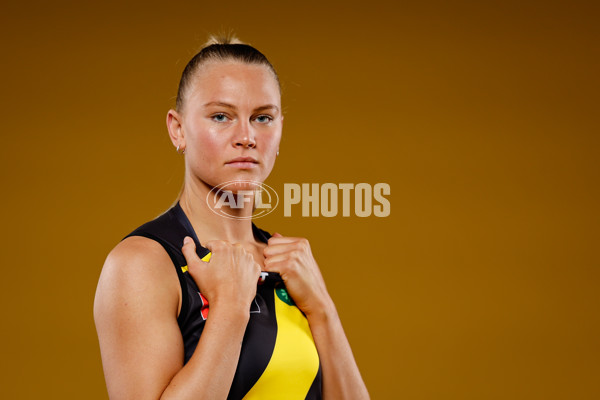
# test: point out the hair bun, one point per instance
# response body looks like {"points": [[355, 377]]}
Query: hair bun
{"points": [[228, 38]]}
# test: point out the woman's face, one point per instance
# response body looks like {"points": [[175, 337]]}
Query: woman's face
{"points": [[231, 110]]}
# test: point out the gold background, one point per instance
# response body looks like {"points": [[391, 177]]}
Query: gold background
{"points": [[482, 117]]}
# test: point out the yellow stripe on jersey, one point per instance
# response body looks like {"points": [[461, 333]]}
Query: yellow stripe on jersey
{"points": [[205, 258], [294, 363]]}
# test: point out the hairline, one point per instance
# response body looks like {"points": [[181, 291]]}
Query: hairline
{"points": [[227, 60]]}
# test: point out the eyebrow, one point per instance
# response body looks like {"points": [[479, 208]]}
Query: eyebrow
{"points": [[231, 106]]}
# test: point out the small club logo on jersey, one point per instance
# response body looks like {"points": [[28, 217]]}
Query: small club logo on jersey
{"points": [[284, 296]]}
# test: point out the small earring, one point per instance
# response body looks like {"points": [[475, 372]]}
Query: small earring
{"points": [[277, 152], [177, 149]]}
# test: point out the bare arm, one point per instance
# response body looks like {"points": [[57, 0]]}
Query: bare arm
{"points": [[135, 310], [293, 259], [341, 377]]}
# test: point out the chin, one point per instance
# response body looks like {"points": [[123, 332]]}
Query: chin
{"points": [[239, 183], [242, 184]]}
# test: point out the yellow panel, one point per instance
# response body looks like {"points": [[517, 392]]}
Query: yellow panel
{"points": [[205, 258], [294, 363]]}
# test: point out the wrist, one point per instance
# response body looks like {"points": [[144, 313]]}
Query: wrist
{"points": [[323, 315], [232, 311]]}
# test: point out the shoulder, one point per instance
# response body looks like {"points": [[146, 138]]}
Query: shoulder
{"points": [[137, 256], [137, 270]]}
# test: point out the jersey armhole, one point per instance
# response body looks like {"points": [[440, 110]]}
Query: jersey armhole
{"points": [[185, 302]]}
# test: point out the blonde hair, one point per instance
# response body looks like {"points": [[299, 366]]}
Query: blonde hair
{"points": [[220, 48], [222, 38]]}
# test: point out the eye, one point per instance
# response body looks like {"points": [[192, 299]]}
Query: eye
{"points": [[264, 119], [219, 117]]}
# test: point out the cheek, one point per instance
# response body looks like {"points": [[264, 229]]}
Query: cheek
{"points": [[273, 138], [204, 141], [204, 149], [271, 146], [207, 146]]}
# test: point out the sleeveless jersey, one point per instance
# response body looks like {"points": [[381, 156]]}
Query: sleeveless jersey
{"points": [[278, 358]]}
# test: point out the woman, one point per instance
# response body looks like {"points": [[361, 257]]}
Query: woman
{"points": [[159, 338]]}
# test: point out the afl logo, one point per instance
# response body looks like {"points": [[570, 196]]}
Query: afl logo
{"points": [[223, 199]]}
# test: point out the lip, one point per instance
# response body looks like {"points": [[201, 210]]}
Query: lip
{"points": [[243, 159], [243, 162]]}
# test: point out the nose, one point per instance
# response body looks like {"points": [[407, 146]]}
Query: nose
{"points": [[244, 137]]}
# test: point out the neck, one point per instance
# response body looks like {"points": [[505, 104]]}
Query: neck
{"points": [[208, 223]]}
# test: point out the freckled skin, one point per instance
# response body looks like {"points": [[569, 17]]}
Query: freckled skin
{"points": [[236, 127]]}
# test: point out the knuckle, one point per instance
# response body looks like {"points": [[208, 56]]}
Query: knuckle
{"points": [[291, 271], [219, 245]]}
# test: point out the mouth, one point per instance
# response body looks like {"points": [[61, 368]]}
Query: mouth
{"points": [[242, 162]]}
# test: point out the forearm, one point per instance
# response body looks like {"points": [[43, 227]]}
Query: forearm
{"points": [[341, 377], [209, 372]]}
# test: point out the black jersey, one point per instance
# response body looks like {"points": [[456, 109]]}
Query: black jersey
{"points": [[278, 359]]}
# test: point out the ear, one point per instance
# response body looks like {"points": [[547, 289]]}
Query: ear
{"points": [[175, 127]]}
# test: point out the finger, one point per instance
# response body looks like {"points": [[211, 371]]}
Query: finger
{"points": [[216, 246], [282, 239], [275, 263], [279, 248], [189, 250], [272, 267], [277, 234]]}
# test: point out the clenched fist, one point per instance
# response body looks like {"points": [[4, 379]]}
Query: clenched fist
{"points": [[229, 277], [292, 258]]}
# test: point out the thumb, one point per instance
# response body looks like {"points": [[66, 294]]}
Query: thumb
{"points": [[189, 250]]}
